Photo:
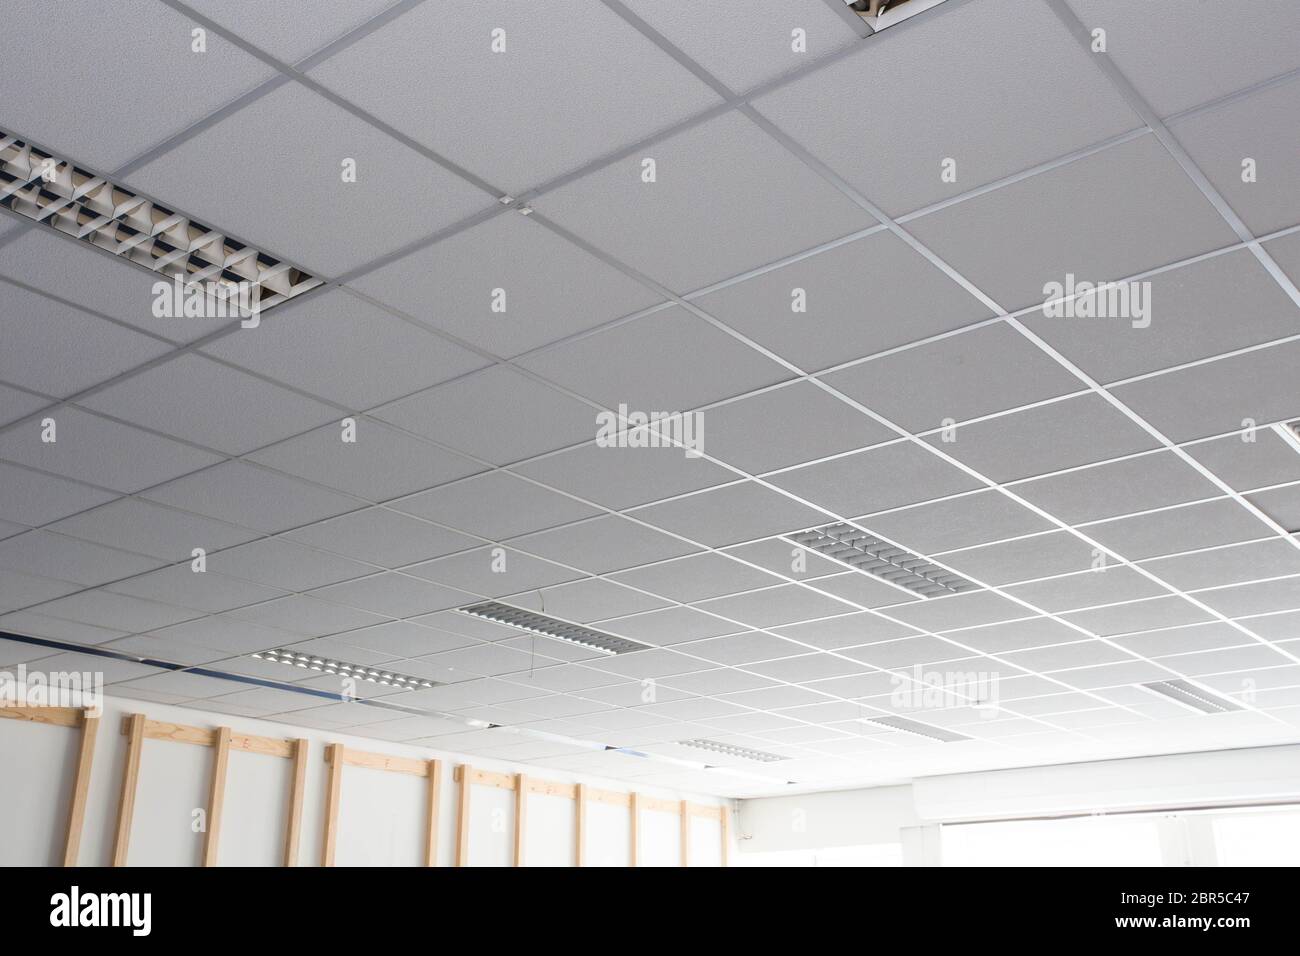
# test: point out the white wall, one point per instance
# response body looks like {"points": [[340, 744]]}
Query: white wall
{"points": [[381, 816]]}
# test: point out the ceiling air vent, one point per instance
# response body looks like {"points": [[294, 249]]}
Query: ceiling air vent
{"points": [[535, 623], [1189, 695], [326, 665], [729, 750], [862, 551], [41, 187], [880, 14], [915, 727]]}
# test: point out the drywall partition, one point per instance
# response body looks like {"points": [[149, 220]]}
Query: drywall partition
{"points": [[137, 728], [427, 809], [77, 787]]}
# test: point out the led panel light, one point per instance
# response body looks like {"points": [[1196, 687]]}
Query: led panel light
{"points": [[535, 623], [863, 551], [326, 665], [52, 191], [729, 750], [915, 727], [1189, 695]]}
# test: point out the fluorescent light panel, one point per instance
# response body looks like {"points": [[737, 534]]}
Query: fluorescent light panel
{"points": [[343, 669], [863, 551], [1190, 695], [730, 750], [916, 727], [551, 627], [52, 191]]}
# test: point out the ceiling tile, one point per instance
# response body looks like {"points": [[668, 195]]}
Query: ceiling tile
{"points": [[68, 559], [382, 537], [284, 564], [1107, 585], [306, 616], [866, 590], [1280, 504], [118, 611], [290, 31], [496, 505], [394, 594], [906, 652], [731, 514], [252, 497], [743, 648], [336, 225], [137, 525], [846, 630], [1231, 565], [19, 590], [671, 625], [998, 78], [1245, 465], [957, 522], [32, 498], [15, 404], [773, 607], [681, 241], [592, 599], [1182, 640], [696, 577], [960, 610], [1015, 635], [607, 543], [1138, 616], [493, 572], [1179, 529], [182, 586], [1258, 598], [1057, 552]]}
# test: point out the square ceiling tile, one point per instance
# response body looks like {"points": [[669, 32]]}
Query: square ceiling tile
{"points": [[1261, 597], [809, 667], [1218, 396], [383, 463], [497, 414], [1116, 488], [948, 381], [15, 404], [112, 669], [283, 564], [864, 590], [117, 611], [382, 537], [743, 648], [773, 607], [146, 528], [625, 477], [1245, 465], [847, 630], [876, 480], [394, 595], [1113, 675], [18, 590], [1231, 565], [787, 426], [960, 610], [496, 506], [1109, 585], [69, 559], [592, 599], [681, 241], [58, 629], [666, 361], [573, 83], [77, 97], [1139, 616], [58, 350], [1257, 42], [781, 557], [1047, 438], [998, 78], [553, 289], [493, 572], [742, 52], [1129, 208], [1280, 504], [292, 30], [957, 522], [209, 404], [346, 350], [1035, 556], [652, 663], [1183, 640], [1183, 320], [607, 543], [1179, 529], [306, 616], [731, 514], [397, 638], [1230, 659], [32, 498], [102, 452], [906, 652], [670, 625], [253, 497], [1015, 635], [336, 225], [696, 577], [181, 586]]}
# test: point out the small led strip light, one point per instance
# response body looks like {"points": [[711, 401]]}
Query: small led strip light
{"points": [[729, 750], [343, 669], [865, 552], [534, 623], [52, 191]]}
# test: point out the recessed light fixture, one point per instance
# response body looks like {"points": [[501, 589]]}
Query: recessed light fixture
{"points": [[730, 750], [1289, 432], [915, 727], [535, 623], [863, 551], [44, 188], [880, 14], [1189, 695], [326, 665]]}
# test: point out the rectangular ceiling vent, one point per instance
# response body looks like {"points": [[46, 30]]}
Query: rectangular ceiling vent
{"points": [[862, 551], [327, 665], [880, 14], [1189, 695], [917, 728], [729, 750], [534, 623], [42, 187]]}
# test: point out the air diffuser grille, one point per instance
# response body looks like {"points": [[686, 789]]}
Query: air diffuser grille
{"points": [[552, 627], [864, 552]]}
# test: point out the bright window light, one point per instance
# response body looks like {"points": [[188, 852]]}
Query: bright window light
{"points": [[1083, 841], [1258, 839]]}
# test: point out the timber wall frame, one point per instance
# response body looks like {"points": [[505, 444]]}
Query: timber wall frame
{"points": [[338, 757], [75, 718], [137, 728], [580, 793]]}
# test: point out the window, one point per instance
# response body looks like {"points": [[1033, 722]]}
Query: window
{"points": [[1083, 841], [1258, 839]]}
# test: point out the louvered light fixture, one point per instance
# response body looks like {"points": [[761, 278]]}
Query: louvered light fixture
{"points": [[1192, 696], [327, 665], [916, 728], [52, 191], [535, 623], [862, 551], [730, 750]]}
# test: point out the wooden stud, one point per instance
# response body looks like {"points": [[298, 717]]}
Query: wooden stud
{"points": [[372, 761], [80, 790], [464, 774], [55, 716], [635, 804], [130, 777], [726, 837], [293, 829], [521, 815], [431, 814], [686, 833], [580, 825], [216, 796], [335, 754]]}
